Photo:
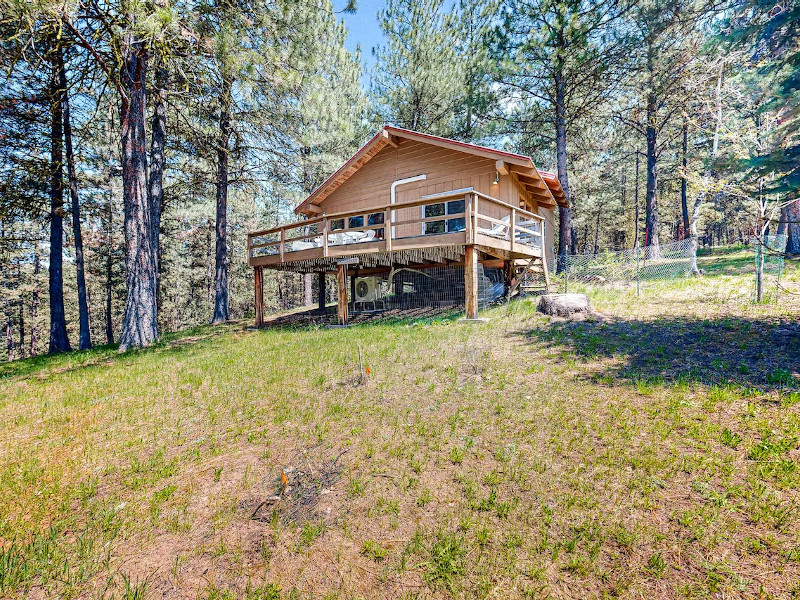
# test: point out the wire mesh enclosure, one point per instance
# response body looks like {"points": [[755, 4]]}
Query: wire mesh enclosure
{"points": [[623, 267], [768, 255], [407, 288]]}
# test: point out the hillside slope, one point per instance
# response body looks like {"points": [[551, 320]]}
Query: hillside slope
{"points": [[654, 451]]}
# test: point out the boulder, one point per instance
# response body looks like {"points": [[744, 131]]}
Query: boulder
{"points": [[564, 305]]}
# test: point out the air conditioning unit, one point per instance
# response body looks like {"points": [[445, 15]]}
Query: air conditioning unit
{"points": [[370, 289]]}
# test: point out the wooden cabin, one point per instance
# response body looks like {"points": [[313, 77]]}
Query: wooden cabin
{"points": [[409, 202]]}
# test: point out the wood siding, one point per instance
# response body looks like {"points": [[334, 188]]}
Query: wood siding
{"points": [[445, 170]]}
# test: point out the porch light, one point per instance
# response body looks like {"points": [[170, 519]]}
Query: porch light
{"points": [[496, 178]]}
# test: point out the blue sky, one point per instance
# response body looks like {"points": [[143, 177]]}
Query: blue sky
{"points": [[363, 29]]}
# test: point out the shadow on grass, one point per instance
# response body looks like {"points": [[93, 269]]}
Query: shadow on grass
{"points": [[311, 319], [728, 265], [751, 353], [171, 343]]}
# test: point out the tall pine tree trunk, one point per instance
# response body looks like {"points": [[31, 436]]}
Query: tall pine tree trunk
{"points": [[85, 341], [139, 324], [156, 183], [35, 306], [565, 216], [109, 227], [684, 164], [793, 227], [221, 255], [651, 190], [58, 325], [707, 176]]}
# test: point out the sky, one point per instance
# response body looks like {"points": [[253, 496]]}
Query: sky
{"points": [[363, 29]]}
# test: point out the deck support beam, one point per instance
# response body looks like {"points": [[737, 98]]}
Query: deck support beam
{"points": [[258, 280], [509, 273], [471, 281], [341, 284], [321, 292]]}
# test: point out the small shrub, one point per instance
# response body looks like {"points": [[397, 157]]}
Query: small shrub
{"points": [[424, 498], [730, 438], [446, 563], [355, 489], [656, 565], [270, 591], [374, 551], [311, 531]]}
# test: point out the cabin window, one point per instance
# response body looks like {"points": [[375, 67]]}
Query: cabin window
{"points": [[336, 224], [444, 209], [376, 219], [356, 221]]}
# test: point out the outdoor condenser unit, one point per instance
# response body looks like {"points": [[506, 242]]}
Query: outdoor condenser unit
{"points": [[369, 289]]}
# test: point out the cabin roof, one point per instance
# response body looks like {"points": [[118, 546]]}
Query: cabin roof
{"points": [[539, 183]]}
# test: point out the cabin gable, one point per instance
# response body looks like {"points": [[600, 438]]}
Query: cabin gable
{"points": [[445, 170]]}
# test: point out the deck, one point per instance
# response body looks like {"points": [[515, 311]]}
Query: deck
{"points": [[434, 223]]}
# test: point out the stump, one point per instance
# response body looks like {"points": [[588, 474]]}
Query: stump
{"points": [[564, 305]]}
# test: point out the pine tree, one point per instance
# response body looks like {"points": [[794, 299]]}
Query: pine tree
{"points": [[559, 59], [418, 80]]}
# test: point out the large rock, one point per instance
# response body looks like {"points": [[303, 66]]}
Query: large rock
{"points": [[564, 305]]}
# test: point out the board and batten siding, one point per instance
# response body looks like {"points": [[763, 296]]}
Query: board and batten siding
{"points": [[445, 170]]}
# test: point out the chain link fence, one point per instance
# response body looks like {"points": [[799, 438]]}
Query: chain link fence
{"points": [[622, 268], [768, 254]]}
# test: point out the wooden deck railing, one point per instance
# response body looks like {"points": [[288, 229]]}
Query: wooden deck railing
{"points": [[481, 216]]}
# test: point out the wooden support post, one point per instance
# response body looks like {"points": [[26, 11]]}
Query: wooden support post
{"points": [[509, 272], [341, 284], [321, 291], [325, 237], [387, 229], [283, 242], [471, 281], [258, 279], [353, 287], [513, 229]]}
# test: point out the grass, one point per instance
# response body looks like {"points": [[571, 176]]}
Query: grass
{"points": [[652, 452]]}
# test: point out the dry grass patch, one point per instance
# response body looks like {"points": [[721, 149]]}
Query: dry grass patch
{"points": [[655, 452]]}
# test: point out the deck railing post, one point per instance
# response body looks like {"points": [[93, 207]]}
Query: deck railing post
{"points": [[283, 242], [513, 231], [325, 237], [468, 218], [387, 229], [475, 217]]}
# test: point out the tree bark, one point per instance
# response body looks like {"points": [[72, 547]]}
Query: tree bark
{"points": [[564, 213], [651, 192], [221, 256], [21, 313], [35, 306], [793, 228], [636, 203], [156, 181], [59, 342], [109, 227], [684, 164], [139, 324], [85, 339]]}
